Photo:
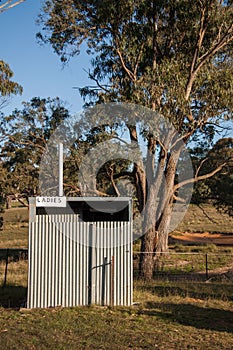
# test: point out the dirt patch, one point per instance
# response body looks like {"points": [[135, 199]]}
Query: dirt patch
{"points": [[201, 238]]}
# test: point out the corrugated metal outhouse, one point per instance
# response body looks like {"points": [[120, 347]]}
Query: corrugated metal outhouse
{"points": [[80, 251]]}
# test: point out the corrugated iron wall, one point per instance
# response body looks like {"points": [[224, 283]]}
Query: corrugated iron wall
{"points": [[72, 262]]}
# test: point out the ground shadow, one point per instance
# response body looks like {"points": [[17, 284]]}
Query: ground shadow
{"points": [[13, 296], [192, 315], [13, 254]]}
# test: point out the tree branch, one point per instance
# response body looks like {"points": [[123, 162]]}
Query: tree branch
{"points": [[178, 199], [193, 72], [8, 4], [199, 168], [128, 71], [199, 178], [221, 42], [219, 45], [113, 182], [102, 87]]}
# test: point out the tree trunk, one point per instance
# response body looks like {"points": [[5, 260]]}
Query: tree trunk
{"points": [[164, 216], [163, 229], [149, 239], [8, 202], [146, 262], [155, 240], [139, 173], [140, 184]]}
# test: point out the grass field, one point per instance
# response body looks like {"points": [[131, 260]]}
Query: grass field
{"points": [[205, 218], [15, 229], [166, 314]]}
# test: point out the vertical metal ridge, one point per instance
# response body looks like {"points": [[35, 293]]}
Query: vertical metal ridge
{"points": [[79, 259]]}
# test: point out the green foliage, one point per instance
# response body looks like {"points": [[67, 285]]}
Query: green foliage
{"points": [[24, 136], [218, 188], [221, 185], [150, 52], [7, 87]]}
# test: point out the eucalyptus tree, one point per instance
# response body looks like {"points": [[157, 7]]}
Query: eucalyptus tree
{"points": [[174, 57], [24, 137], [7, 86]]}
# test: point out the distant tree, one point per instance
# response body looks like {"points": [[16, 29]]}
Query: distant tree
{"points": [[7, 87], [174, 57], [1, 206], [219, 188], [24, 137]]}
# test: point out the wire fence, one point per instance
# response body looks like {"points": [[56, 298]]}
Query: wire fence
{"points": [[188, 265], [192, 268], [172, 266], [11, 262]]}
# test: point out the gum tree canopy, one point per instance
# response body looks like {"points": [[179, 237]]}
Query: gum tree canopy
{"points": [[174, 57], [7, 86]]}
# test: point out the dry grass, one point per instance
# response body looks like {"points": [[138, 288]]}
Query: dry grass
{"points": [[16, 272], [16, 215], [158, 321], [15, 229], [206, 218], [14, 237]]}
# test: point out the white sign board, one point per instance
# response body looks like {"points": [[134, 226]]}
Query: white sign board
{"points": [[51, 202]]}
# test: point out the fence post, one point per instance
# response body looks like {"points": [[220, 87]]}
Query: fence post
{"points": [[7, 254], [206, 266]]}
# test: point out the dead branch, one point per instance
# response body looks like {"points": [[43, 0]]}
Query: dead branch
{"points": [[206, 214], [101, 87], [9, 4], [199, 168]]}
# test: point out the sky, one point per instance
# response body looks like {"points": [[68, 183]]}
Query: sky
{"points": [[37, 68]]}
